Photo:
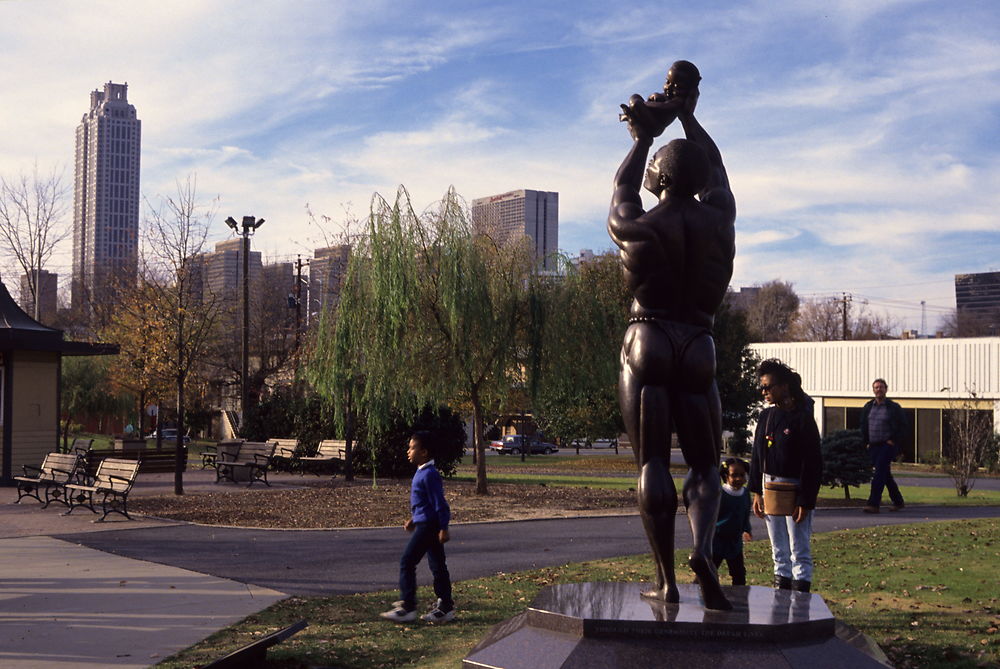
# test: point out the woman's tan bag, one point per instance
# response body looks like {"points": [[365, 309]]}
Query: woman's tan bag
{"points": [[779, 498]]}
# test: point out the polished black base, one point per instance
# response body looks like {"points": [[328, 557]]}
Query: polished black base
{"points": [[607, 625]]}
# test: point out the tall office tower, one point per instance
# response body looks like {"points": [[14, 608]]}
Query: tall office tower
{"points": [[530, 212], [327, 271], [978, 295], [105, 195], [47, 283]]}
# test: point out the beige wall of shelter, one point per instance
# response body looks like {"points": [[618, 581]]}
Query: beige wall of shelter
{"points": [[30, 361]]}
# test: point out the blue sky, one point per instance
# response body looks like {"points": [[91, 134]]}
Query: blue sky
{"points": [[860, 136]]}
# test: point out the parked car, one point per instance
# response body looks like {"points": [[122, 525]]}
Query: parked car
{"points": [[595, 443], [514, 444], [169, 435]]}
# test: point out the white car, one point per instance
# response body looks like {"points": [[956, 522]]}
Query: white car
{"points": [[595, 443]]}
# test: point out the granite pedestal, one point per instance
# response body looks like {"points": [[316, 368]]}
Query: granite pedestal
{"points": [[608, 625]]}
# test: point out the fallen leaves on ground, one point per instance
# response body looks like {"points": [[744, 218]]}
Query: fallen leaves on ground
{"points": [[357, 504]]}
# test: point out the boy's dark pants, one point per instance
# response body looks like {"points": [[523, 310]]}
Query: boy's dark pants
{"points": [[424, 539], [737, 568]]}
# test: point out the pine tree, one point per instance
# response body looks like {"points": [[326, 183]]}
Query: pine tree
{"points": [[845, 460]]}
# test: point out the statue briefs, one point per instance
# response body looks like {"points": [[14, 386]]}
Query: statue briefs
{"points": [[678, 259]]}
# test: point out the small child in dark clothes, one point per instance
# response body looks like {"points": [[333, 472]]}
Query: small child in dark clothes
{"points": [[733, 526], [429, 525]]}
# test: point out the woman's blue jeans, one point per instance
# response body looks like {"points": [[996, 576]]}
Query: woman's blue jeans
{"points": [[790, 542]]}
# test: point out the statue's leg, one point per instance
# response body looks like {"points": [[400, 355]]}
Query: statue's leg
{"points": [[699, 428], [646, 414], [657, 492]]}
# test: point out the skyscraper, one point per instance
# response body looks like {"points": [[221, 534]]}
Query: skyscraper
{"points": [[105, 195], [327, 271], [978, 296], [530, 212]]}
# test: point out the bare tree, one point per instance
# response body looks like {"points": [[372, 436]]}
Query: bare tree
{"points": [[965, 323], [869, 325], [31, 222], [831, 318], [772, 312], [176, 231], [820, 319], [971, 437]]}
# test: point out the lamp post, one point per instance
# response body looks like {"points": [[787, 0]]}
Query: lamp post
{"points": [[249, 226]]}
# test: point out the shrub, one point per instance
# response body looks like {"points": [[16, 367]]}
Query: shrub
{"points": [[845, 460], [390, 452]]}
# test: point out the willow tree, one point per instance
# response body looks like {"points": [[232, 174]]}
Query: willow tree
{"points": [[577, 327], [431, 311]]}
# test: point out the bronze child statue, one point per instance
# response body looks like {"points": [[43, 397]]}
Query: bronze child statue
{"points": [[660, 109]]}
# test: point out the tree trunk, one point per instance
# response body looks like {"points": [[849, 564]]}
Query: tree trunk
{"points": [[180, 453], [477, 443], [349, 437]]}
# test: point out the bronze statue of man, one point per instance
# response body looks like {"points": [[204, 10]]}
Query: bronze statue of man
{"points": [[678, 260]]}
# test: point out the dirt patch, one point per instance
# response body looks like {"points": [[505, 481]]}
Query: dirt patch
{"points": [[357, 504]]}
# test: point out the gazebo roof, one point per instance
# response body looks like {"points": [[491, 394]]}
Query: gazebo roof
{"points": [[19, 331]]}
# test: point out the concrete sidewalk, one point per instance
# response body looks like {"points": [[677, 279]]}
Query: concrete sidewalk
{"points": [[65, 606]]}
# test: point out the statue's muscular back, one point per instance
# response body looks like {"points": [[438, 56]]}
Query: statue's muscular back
{"points": [[682, 273]]}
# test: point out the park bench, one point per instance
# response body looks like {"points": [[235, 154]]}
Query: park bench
{"points": [[285, 458], [81, 446], [56, 471], [330, 454], [252, 458], [113, 481]]}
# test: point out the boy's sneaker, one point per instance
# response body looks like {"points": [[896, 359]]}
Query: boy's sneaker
{"points": [[399, 615], [436, 615]]}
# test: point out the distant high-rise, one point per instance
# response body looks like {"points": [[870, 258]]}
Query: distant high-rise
{"points": [[105, 195], [978, 295], [327, 271], [530, 212], [47, 283], [222, 272]]}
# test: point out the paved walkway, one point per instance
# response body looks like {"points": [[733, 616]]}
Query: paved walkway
{"points": [[74, 593]]}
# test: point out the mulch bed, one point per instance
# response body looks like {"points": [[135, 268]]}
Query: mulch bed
{"points": [[357, 504]]}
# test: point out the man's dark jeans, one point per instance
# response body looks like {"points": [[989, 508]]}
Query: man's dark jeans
{"points": [[882, 455], [424, 540]]}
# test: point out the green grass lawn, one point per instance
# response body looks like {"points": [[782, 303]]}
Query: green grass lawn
{"points": [[927, 593], [829, 496]]}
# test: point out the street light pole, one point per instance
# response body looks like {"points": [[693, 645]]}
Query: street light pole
{"points": [[249, 226]]}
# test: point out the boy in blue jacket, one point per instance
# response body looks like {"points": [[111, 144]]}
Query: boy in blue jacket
{"points": [[429, 525]]}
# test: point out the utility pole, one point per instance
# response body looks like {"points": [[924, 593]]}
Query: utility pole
{"points": [[249, 226], [846, 301], [298, 301]]}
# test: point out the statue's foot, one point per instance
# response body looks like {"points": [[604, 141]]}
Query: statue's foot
{"points": [[668, 594], [708, 581]]}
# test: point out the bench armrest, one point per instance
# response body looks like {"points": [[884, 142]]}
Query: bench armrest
{"points": [[225, 456], [27, 467], [261, 459], [121, 478], [63, 471]]}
